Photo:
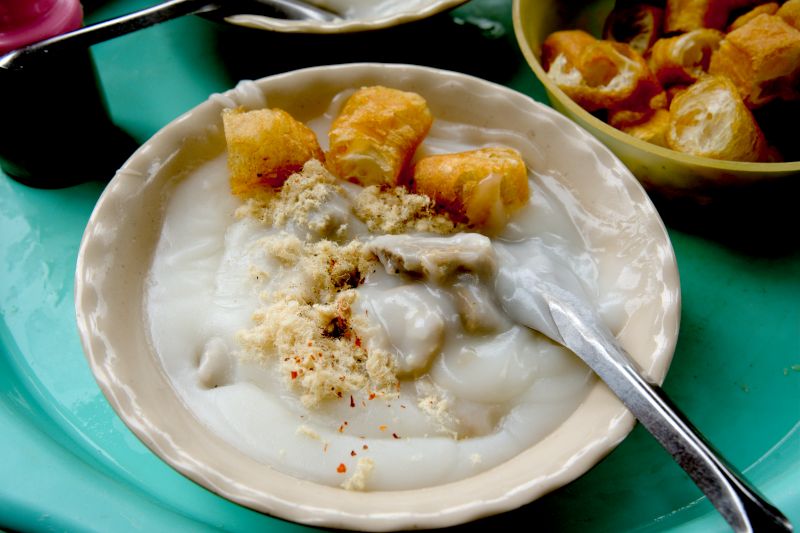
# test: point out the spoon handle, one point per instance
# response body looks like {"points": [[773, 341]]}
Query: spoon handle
{"points": [[102, 31], [738, 502]]}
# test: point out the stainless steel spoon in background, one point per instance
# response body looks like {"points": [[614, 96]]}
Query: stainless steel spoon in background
{"points": [[546, 301], [103, 31]]}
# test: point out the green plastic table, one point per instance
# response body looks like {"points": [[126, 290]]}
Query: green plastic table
{"points": [[67, 463]]}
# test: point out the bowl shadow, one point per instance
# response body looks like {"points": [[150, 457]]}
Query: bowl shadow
{"points": [[758, 219], [443, 41]]}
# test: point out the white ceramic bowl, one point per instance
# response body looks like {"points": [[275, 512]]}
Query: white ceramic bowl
{"points": [[119, 242], [357, 16]]}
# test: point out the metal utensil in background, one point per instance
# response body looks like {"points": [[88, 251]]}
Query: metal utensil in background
{"points": [[103, 31], [56, 130], [547, 302]]}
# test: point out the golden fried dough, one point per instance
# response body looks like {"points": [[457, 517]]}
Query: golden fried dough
{"points": [[769, 8], [636, 110], [598, 74], [265, 146], [762, 58], [481, 187], [790, 13], [653, 130], [709, 119], [683, 59], [569, 43], [376, 134], [688, 15]]}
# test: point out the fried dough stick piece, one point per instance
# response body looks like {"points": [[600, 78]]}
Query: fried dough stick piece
{"points": [[770, 9], [376, 134], [266, 146], [790, 12], [762, 58], [600, 74], [709, 119], [688, 15], [480, 187], [683, 59], [653, 130]]}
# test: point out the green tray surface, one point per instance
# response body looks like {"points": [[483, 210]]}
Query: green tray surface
{"points": [[67, 462]]}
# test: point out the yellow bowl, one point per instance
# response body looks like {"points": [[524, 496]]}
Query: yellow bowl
{"points": [[659, 169]]}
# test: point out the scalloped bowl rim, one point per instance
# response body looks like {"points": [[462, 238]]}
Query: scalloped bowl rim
{"points": [[505, 487]]}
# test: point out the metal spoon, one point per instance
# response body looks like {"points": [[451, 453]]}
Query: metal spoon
{"points": [[103, 31], [548, 297], [542, 301]]}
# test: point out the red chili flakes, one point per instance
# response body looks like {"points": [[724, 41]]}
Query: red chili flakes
{"points": [[341, 428], [383, 427], [294, 374], [339, 394], [352, 401], [353, 453], [365, 447], [371, 395], [395, 435], [358, 342], [341, 468]]}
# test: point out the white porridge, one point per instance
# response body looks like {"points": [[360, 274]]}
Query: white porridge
{"points": [[441, 383]]}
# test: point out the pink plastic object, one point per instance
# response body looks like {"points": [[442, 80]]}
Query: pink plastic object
{"points": [[23, 22], [59, 132]]}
